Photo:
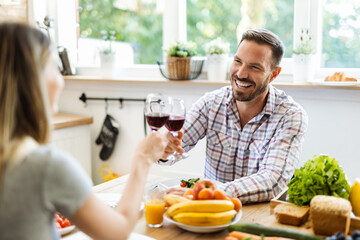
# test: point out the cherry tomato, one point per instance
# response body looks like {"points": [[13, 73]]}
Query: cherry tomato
{"points": [[65, 223], [183, 184]]}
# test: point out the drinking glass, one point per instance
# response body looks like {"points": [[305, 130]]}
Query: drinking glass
{"points": [[156, 110], [154, 207], [175, 122]]}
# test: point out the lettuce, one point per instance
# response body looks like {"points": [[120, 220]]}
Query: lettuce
{"points": [[319, 176]]}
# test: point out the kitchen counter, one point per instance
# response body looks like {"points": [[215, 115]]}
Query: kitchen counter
{"points": [[204, 82], [66, 120]]}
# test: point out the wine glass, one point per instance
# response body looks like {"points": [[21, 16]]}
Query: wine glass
{"points": [[175, 122], [156, 110]]}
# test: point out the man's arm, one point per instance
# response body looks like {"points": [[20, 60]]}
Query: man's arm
{"points": [[278, 165]]}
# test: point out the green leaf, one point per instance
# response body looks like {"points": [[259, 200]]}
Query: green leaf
{"points": [[319, 176]]}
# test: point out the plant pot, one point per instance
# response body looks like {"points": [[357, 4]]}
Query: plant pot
{"points": [[108, 64], [303, 67], [217, 67], [178, 68]]}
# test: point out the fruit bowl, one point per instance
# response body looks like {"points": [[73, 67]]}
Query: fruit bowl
{"points": [[205, 229]]}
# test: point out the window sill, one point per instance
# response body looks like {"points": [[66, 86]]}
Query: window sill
{"points": [[281, 83]]}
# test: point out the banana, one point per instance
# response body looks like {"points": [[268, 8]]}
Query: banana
{"points": [[172, 199], [200, 206], [205, 219]]}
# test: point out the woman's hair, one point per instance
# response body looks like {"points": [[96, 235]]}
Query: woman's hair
{"points": [[24, 110], [263, 36]]}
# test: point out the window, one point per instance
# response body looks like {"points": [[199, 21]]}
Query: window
{"points": [[340, 34], [138, 27], [144, 26], [209, 19]]}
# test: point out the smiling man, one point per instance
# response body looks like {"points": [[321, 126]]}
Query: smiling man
{"points": [[254, 131]]}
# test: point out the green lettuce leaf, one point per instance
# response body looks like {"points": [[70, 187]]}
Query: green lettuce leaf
{"points": [[319, 176]]}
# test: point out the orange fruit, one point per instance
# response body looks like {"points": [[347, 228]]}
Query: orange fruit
{"points": [[189, 194], [220, 195], [206, 194], [237, 204]]}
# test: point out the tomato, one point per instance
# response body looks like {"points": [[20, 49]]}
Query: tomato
{"points": [[61, 221], [65, 223], [183, 184]]}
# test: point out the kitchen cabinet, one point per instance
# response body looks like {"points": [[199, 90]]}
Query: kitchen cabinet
{"points": [[72, 134]]}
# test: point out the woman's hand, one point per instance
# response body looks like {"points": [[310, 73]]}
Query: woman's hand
{"points": [[152, 147]]}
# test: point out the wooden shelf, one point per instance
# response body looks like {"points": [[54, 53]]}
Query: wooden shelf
{"points": [[65, 120]]}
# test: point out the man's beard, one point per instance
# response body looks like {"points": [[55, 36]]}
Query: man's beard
{"points": [[243, 97]]}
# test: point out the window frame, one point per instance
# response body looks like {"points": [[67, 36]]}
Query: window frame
{"points": [[307, 14]]}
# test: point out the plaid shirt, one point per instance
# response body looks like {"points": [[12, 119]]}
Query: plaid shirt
{"points": [[255, 162]]}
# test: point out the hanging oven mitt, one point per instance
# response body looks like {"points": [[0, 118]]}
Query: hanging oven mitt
{"points": [[107, 137]]}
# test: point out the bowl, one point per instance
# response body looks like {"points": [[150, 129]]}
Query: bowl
{"points": [[204, 229]]}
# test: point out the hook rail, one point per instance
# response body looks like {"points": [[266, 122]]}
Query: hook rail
{"points": [[84, 98]]}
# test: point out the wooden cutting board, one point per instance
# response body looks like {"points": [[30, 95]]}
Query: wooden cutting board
{"points": [[271, 221]]}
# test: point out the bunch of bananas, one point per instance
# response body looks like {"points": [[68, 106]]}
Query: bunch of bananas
{"points": [[200, 212]]}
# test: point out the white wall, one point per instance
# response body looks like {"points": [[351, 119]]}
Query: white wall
{"points": [[334, 125]]}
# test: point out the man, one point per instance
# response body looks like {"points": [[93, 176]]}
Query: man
{"points": [[254, 131]]}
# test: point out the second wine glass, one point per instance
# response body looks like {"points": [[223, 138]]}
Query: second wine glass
{"points": [[175, 122]]}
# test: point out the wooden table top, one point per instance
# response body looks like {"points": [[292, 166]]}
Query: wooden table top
{"points": [[251, 213]]}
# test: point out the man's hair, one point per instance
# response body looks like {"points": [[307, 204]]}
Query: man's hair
{"points": [[263, 36]]}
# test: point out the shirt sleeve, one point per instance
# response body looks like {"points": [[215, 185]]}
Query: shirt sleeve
{"points": [[278, 165], [196, 123], [66, 184]]}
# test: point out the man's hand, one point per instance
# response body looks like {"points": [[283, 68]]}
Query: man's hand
{"points": [[174, 145]]}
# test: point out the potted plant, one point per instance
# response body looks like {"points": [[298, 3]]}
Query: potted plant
{"points": [[178, 59], [217, 59], [107, 53], [303, 58]]}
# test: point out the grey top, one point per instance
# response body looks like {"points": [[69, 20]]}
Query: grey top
{"points": [[46, 181]]}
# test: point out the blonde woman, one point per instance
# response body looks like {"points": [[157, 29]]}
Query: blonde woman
{"points": [[37, 180]]}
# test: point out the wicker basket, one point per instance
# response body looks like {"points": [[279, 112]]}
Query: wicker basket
{"points": [[179, 68]]}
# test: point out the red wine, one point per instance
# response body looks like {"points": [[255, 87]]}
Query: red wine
{"points": [[156, 120], [175, 123]]}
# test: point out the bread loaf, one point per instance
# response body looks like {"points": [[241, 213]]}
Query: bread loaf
{"points": [[330, 215], [291, 214], [339, 77]]}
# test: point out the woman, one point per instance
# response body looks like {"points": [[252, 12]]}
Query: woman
{"points": [[37, 180]]}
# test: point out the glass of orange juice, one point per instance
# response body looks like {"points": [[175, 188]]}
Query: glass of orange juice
{"points": [[154, 207]]}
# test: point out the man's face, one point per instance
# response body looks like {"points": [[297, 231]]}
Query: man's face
{"points": [[250, 72]]}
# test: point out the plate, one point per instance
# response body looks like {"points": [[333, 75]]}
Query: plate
{"points": [[175, 182], [333, 83], [66, 230], [111, 199], [207, 229]]}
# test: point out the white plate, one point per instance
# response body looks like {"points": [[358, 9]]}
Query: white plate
{"points": [[208, 229], [111, 199], [333, 83], [66, 230], [175, 182]]}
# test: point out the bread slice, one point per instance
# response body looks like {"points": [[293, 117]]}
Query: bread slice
{"points": [[330, 215], [291, 214]]}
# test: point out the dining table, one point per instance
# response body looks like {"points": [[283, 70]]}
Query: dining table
{"points": [[251, 213]]}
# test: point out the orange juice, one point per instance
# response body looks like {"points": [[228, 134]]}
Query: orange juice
{"points": [[154, 210]]}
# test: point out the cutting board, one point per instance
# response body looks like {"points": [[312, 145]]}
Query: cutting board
{"points": [[271, 221], [306, 227]]}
